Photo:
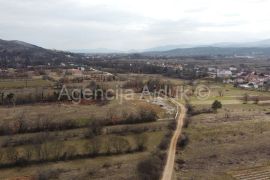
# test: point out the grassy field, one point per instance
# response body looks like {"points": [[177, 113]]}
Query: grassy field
{"points": [[115, 163], [115, 166], [230, 95], [221, 145], [13, 84], [236, 137], [81, 113]]}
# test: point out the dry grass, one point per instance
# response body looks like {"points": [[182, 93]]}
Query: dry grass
{"points": [[114, 165], [237, 136], [13, 84], [74, 112]]}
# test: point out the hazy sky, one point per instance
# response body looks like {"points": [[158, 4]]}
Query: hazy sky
{"points": [[136, 24]]}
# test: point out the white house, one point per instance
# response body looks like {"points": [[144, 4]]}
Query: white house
{"points": [[232, 68], [224, 73]]}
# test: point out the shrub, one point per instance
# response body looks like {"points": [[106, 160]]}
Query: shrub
{"points": [[141, 142], [164, 144], [150, 168], [94, 128], [187, 120], [216, 105], [119, 145], [182, 141]]}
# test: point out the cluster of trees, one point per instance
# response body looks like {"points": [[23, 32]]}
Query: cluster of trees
{"points": [[43, 123], [165, 142], [50, 151], [152, 167], [11, 99], [153, 85], [115, 145], [128, 66], [118, 66], [246, 98], [39, 95], [191, 111], [136, 84], [142, 116]]}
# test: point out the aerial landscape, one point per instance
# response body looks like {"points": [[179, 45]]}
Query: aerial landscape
{"points": [[134, 90]]}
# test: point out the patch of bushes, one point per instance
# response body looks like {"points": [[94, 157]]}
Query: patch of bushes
{"points": [[165, 142], [152, 167], [21, 126], [142, 116], [187, 121], [57, 151], [182, 141]]}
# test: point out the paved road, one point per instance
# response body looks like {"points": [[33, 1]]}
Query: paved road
{"points": [[169, 167]]}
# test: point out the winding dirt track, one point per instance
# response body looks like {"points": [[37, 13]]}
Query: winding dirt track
{"points": [[181, 113]]}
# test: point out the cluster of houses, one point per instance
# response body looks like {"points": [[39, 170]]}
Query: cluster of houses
{"points": [[91, 74], [241, 78], [175, 66]]}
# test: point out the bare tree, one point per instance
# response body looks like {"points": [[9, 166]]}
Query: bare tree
{"points": [[245, 98], [108, 146], [11, 98], [93, 146], [94, 128], [56, 150], [37, 149], [1, 155], [70, 151], [119, 144], [28, 153], [42, 151], [256, 100], [45, 151], [2, 93], [220, 92], [12, 154], [141, 142], [22, 125]]}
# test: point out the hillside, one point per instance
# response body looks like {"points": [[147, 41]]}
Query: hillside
{"points": [[215, 51], [22, 53]]}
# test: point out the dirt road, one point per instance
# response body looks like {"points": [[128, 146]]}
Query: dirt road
{"points": [[169, 167]]}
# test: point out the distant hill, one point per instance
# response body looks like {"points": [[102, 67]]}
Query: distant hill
{"points": [[215, 51], [256, 44], [18, 52], [93, 51], [168, 47], [261, 44]]}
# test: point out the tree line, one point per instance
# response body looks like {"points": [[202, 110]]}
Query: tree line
{"points": [[58, 151]]}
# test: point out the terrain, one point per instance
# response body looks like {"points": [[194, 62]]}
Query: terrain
{"points": [[12, 52], [21, 54], [142, 117], [228, 144]]}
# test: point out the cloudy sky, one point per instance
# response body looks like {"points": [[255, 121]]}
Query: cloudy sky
{"points": [[132, 24]]}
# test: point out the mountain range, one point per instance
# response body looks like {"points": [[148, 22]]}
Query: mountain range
{"points": [[255, 44], [25, 53]]}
